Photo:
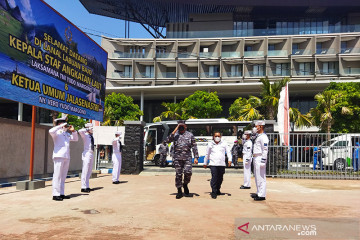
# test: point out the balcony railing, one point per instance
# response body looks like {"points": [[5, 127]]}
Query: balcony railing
{"points": [[303, 73], [281, 73], [165, 55], [329, 72], [130, 55], [325, 51], [121, 75], [277, 53], [351, 71], [187, 55], [230, 54], [210, 75], [254, 54], [301, 52], [144, 75], [350, 50], [232, 74], [167, 75], [188, 75], [254, 74], [208, 54]]}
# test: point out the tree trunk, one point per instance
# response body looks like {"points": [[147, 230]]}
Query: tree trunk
{"points": [[328, 130]]}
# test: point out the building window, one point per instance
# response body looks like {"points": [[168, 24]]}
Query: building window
{"points": [[306, 69]]}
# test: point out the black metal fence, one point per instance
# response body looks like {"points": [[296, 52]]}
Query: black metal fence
{"points": [[314, 155]]}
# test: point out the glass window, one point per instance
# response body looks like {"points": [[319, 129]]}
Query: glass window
{"points": [[341, 144]]}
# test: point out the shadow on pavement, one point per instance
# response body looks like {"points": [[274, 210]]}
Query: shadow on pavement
{"points": [[190, 195]]}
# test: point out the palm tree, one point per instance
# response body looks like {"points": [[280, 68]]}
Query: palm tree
{"points": [[174, 111], [299, 119], [327, 101], [245, 109], [270, 95]]}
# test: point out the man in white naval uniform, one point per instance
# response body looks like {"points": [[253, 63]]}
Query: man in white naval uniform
{"points": [[247, 159], [260, 153], [116, 157], [61, 134], [87, 156]]}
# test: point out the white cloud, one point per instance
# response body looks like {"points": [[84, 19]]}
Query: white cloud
{"points": [[27, 13], [12, 3]]}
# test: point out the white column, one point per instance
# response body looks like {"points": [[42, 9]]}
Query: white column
{"points": [[174, 99], [20, 111], [142, 105]]}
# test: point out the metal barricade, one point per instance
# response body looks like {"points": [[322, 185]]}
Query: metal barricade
{"points": [[314, 155]]}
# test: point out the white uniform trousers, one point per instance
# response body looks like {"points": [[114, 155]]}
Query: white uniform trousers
{"points": [[260, 176], [247, 171], [61, 167], [116, 158], [88, 161]]}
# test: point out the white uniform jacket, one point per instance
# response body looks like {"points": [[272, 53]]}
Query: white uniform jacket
{"points": [[62, 141], [247, 151], [261, 147], [116, 145], [86, 139], [216, 153]]}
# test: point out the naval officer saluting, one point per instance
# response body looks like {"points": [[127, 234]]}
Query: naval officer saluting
{"points": [[61, 134], [87, 156], [116, 157]]}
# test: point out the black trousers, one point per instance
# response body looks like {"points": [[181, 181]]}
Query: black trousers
{"points": [[217, 176]]}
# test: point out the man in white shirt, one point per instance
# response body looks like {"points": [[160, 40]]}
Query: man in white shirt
{"points": [[260, 153], [87, 156], [215, 153], [247, 159], [116, 157], [61, 134]]}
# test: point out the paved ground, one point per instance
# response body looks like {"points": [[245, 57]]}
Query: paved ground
{"points": [[144, 207]]}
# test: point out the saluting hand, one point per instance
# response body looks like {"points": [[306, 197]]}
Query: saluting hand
{"points": [[71, 128]]}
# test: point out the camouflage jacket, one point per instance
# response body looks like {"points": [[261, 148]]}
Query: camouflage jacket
{"points": [[183, 143], [163, 150]]}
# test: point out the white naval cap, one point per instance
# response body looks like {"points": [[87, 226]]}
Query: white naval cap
{"points": [[247, 132], [61, 119], [88, 125], [260, 123], [118, 132]]}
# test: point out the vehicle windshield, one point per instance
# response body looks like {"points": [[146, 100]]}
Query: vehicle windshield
{"points": [[327, 143]]}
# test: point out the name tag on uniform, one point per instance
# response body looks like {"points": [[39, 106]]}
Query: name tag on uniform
{"points": [[265, 144], [248, 147]]}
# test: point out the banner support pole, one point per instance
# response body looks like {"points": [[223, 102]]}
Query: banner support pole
{"points": [[33, 120]]}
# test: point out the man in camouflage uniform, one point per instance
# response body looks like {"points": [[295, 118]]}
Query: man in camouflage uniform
{"points": [[163, 151], [184, 141]]}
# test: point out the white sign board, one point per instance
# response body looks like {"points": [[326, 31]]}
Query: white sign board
{"points": [[103, 135]]}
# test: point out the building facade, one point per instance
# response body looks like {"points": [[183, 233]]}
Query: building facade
{"points": [[227, 46]]}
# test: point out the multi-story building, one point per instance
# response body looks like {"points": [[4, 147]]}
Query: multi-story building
{"points": [[227, 46]]}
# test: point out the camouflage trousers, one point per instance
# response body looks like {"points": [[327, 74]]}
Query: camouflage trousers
{"points": [[162, 160], [182, 167]]}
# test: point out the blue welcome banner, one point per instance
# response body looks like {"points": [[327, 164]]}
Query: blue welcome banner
{"points": [[48, 62]]}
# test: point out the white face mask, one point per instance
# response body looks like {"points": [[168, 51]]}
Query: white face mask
{"points": [[217, 139], [244, 137], [254, 130], [90, 131]]}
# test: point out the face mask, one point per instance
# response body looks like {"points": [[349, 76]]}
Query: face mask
{"points": [[90, 131], [244, 137], [217, 139], [65, 128], [254, 130]]}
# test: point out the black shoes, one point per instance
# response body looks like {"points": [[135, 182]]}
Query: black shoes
{"points": [[254, 195], [259, 198], [213, 195], [116, 182], [218, 192], [90, 189], [243, 187], [179, 194], [186, 189], [87, 190], [64, 197], [57, 198]]}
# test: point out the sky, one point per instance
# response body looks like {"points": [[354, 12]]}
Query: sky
{"points": [[93, 24]]}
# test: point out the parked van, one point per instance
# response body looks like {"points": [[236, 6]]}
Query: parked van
{"points": [[338, 152]]}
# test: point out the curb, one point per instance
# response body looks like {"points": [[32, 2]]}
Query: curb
{"points": [[11, 184], [104, 171]]}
